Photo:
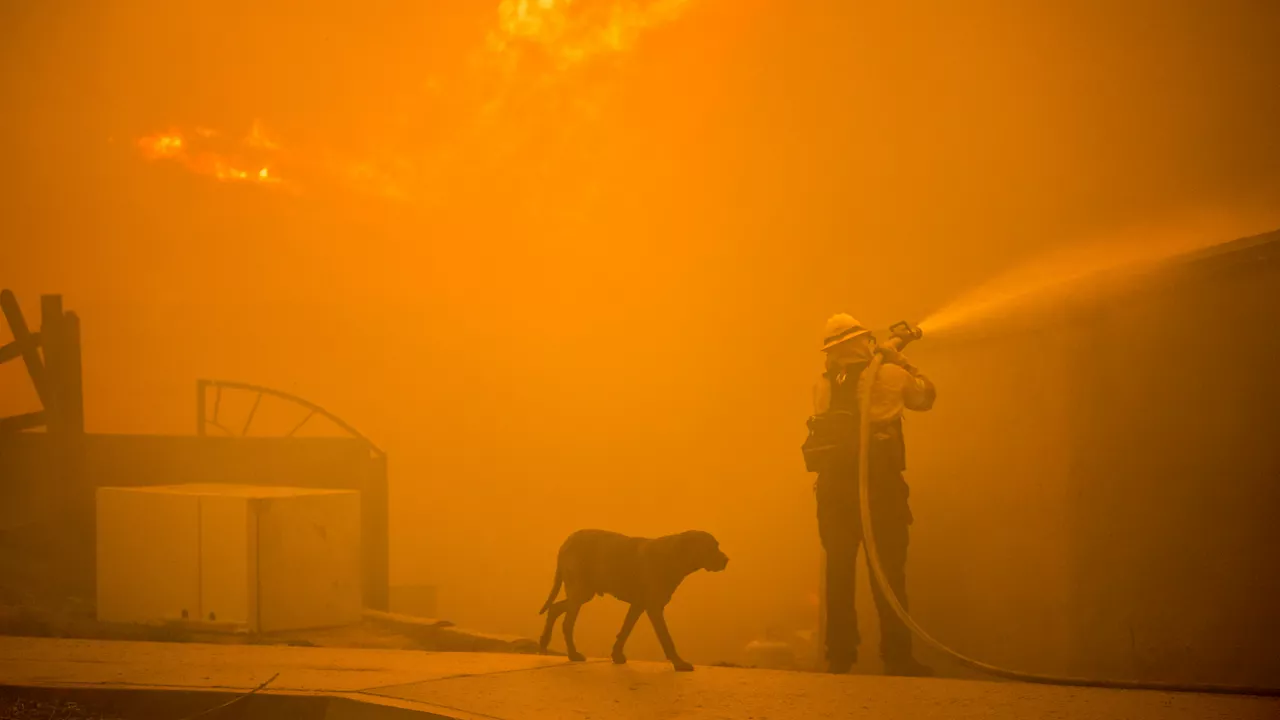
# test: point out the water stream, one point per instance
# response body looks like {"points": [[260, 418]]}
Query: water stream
{"points": [[1091, 267]]}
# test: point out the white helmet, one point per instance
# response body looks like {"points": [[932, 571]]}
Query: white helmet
{"points": [[840, 328]]}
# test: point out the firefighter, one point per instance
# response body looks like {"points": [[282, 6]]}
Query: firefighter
{"points": [[832, 451]]}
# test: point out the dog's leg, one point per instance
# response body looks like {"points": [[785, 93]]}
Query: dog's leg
{"points": [[664, 637], [553, 613], [633, 614], [571, 619]]}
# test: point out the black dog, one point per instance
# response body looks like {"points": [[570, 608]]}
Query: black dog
{"points": [[641, 571]]}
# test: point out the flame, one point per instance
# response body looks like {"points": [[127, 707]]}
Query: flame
{"points": [[257, 159], [190, 151], [162, 146], [533, 44], [540, 74], [570, 32]]}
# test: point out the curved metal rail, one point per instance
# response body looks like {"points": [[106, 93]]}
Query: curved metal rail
{"points": [[203, 421]]}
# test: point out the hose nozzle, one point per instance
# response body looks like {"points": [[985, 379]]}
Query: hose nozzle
{"points": [[902, 333]]}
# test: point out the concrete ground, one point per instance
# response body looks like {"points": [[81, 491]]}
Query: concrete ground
{"points": [[470, 686]]}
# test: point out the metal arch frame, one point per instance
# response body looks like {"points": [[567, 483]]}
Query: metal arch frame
{"points": [[203, 420]]}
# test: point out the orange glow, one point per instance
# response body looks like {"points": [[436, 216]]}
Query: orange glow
{"points": [[569, 262], [162, 146], [566, 33], [200, 152], [256, 139], [570, 32], [196, 157]]}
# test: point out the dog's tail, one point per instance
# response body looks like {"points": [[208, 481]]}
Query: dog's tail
{"points": [[555, 590]]}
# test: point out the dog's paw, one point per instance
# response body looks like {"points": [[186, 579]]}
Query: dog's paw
{"points": [[618, 658], [682, 666], [577, 657]]}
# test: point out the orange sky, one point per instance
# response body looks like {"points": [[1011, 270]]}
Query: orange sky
{"points": [[624, 266]]}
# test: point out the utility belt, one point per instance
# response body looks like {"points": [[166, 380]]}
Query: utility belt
{"points": [[834, 440]]}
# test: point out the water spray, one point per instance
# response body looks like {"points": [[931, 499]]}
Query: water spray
{"points": [[902, 334]]}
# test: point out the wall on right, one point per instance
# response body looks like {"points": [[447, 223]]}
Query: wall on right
{"points": [[1096, 489]]}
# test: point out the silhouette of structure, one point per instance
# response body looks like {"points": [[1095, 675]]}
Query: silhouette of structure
{"points": [[49, 478], [52, 358]]}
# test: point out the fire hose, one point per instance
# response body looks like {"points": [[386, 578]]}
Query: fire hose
{"points": [[902, 334]]}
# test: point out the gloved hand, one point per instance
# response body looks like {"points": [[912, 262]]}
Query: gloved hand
{"points": [[892, 356]]}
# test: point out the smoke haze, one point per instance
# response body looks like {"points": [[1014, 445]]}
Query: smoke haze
{"points": [[575, 275]]}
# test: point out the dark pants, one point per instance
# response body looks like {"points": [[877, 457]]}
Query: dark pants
{"points": [[840, 527]]}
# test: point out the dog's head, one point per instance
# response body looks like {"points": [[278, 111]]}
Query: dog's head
{"points": [[703, 550]]}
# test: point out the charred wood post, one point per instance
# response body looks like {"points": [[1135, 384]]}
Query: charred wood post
{"points": [[26, 345], [61, 333], [53, 361]]}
